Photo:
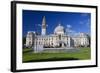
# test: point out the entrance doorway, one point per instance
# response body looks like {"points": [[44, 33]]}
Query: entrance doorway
{"points": [[62, 44]]}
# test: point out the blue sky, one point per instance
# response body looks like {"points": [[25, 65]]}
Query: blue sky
{"points": [[78, 22]]}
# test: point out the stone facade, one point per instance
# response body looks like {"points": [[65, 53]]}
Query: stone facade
{"points": [[56, 40]]}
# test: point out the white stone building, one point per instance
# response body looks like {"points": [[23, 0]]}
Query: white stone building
{"points": [[58, 39]]}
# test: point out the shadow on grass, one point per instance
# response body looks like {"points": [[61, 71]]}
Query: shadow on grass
{"points": [[51, 59], [28, 51]]}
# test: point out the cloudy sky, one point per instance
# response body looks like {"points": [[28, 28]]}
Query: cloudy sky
{"points": [[76, 22]]}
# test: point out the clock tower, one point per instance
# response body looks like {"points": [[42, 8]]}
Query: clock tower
{"points": [[43, 32]]}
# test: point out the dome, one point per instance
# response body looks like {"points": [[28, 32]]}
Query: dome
{"points": [[59, 30]]}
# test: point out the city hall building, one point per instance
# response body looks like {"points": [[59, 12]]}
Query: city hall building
{"points": [[59, 38]]}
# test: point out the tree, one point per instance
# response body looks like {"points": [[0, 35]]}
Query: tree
{"points": [[24, 41], [89, 40]]}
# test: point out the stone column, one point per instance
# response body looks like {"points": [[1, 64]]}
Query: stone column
{"points": [[68, 41], [35, 47]]}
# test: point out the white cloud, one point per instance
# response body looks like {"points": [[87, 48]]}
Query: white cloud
{"points": [[85, 22], [71, 32], [81, 22], [69, 26]]}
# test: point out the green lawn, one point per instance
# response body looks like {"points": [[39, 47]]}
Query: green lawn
{"points": [[29, 56]]}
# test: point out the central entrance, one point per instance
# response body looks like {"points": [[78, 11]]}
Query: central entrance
{"points": [[62, 43]]}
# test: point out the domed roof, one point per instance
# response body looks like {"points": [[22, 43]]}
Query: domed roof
{"points": [[59, 30]]}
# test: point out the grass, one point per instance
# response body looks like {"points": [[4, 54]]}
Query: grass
{"points": [[29, 56]]}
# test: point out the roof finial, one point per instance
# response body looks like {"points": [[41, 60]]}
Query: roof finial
{"points": [[59, 24]]}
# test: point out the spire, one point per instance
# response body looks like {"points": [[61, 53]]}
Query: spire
{"points": [[43, 32], [44, 21]]}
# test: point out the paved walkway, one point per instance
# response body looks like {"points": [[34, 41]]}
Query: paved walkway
{"points": [[54, 50]]}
